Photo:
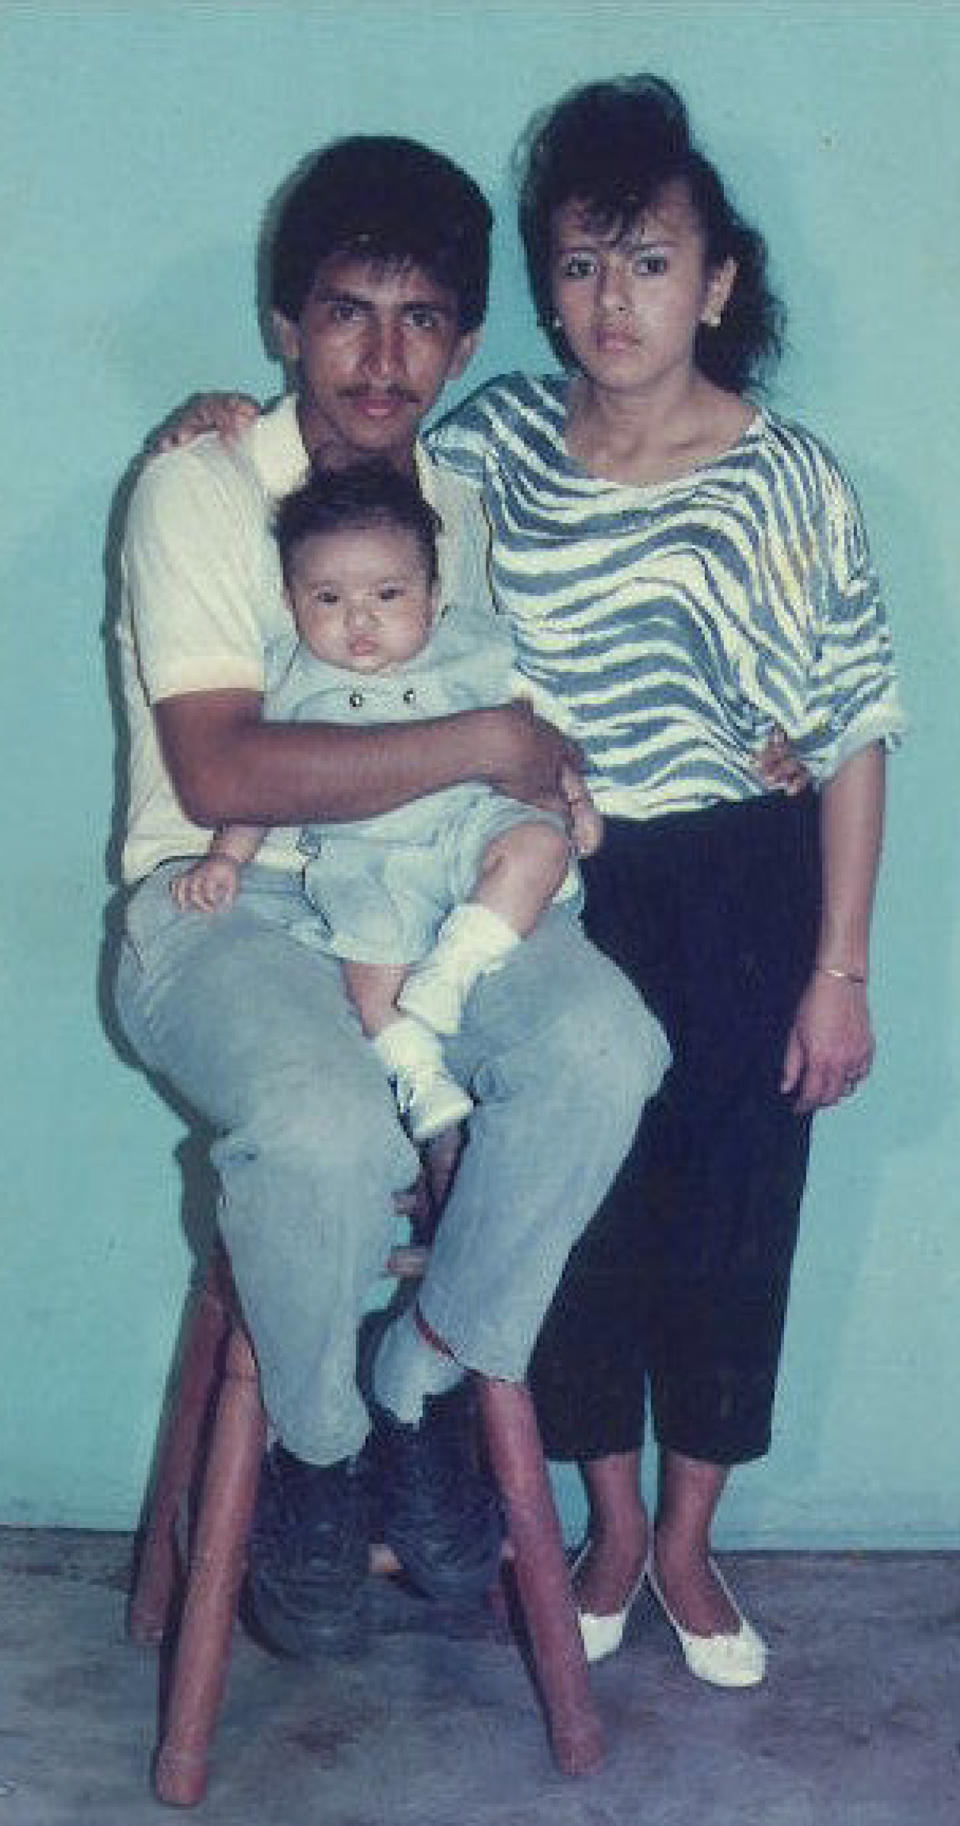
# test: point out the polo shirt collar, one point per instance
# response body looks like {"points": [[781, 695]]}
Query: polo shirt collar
{"points": [[280, 458]]}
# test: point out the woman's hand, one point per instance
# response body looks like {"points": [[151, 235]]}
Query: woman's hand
{"points": [[228, 414], [779, 768], [830, 1047]]}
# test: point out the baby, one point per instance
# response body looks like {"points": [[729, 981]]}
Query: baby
{"points": [[419, 902]]}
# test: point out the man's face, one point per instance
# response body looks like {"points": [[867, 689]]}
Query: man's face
{"points": [[374, 344]]}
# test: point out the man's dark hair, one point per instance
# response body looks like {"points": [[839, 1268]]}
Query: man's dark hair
{"points": [[388, 200], [361, 498], [613, 147]]}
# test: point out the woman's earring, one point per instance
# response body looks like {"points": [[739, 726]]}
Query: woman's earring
{"points": [[713, 319]]}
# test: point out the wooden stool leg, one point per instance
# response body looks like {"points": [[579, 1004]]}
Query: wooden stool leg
{"points": [[156, 1566], [216, 1571], [543, 1578]]}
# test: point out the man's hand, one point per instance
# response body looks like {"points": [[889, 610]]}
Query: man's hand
{"points": [[228, 414], [830, 1047], [526, 757], [586, 823], [209, 885]]}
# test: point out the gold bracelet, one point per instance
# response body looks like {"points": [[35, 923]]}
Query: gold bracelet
{"points": [[841, 976]]}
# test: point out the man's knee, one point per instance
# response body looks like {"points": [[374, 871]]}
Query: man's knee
{"points": [[560, 1031], [599, 1033], [631, 1048], [337, 1128]]}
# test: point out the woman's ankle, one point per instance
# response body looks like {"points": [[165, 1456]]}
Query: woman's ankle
{"points": [[611, 1563], [684, 1573]]}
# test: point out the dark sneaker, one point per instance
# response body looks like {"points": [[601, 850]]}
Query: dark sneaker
{"points": [[431, 1498], [308, 1556]]}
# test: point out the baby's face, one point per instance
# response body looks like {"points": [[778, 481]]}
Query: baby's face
{"points": [[362, 599]]}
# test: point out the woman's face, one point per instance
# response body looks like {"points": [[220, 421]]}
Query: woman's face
{"points": [[630, 303]]}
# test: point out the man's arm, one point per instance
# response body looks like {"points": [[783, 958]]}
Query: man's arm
{"points": [[228, 766], [195, 571]]}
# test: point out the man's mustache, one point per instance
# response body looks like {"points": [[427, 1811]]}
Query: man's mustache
{"points": [[405, 394]]}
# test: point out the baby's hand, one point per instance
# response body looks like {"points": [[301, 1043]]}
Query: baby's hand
{"points": [[209, 886], [779, 768]]}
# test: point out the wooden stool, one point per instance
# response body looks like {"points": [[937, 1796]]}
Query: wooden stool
{"points": [[216, 1431]]}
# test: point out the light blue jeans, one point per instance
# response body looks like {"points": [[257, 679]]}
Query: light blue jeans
{"points": [[253, 1029]]}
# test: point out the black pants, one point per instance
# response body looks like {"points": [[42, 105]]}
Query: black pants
{"points": [[680, 1284]]}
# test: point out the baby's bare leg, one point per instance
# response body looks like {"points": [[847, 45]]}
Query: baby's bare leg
{"points": [[521, 872], [373, 990], [429, 1099]]}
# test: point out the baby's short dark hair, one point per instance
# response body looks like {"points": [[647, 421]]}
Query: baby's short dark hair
{"points": [[364, 497]]}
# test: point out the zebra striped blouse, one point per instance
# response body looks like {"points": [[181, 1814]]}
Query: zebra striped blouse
{"points": [[670, 627]]}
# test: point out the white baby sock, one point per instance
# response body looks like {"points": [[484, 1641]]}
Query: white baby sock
{"points": [[428, 1096], [471, 942]]}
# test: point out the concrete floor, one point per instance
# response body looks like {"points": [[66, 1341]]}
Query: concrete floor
{"points": [[858, 1723]]}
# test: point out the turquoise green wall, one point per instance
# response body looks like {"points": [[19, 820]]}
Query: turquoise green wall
{"points": [[138, 146]]}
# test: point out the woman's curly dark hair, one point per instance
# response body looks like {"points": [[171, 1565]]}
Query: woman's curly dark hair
{"points": [[613, 147]]}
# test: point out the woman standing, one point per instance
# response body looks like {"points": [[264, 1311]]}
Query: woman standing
{"points": [[685, 572]]}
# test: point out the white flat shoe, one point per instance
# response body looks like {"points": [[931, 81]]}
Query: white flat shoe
{"points": [[602, 1636], [724, 1660]]}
